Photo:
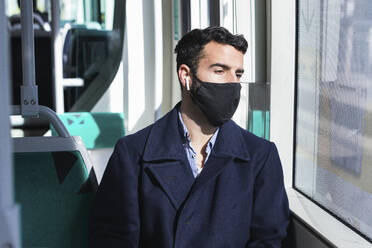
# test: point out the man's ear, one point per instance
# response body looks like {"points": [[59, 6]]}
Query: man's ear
{"points": [[184, 73]]}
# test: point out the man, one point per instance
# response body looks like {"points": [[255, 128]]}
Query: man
{"points": [[194, 178]]}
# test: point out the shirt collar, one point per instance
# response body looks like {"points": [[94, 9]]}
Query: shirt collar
{"points": [[165, 141], [185, 133]]}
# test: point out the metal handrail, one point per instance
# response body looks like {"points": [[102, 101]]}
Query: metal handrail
{"points": [[29, 90], [28, 56], [29, 95], [50, 115]]}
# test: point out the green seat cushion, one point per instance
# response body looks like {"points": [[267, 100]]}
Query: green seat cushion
{"points": [[55, 205], [98, 130]]}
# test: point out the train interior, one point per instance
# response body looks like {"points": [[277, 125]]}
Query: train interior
{"points": [[78, 75]]}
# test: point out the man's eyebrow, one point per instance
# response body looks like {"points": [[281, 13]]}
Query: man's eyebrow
{"points": [[224, 66], [220, 65]]}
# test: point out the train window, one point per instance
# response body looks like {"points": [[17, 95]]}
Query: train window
{"points": [[333, 162], [92, 43], [96, 14], [227, 14], [43, 6], [42, 14], [87, 50]]}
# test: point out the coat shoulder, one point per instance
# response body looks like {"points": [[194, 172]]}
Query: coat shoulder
{"points": [[258, 147], [134, 143], [251, 138]]}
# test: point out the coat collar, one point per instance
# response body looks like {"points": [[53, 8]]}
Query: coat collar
{"points": [[165, 157], [165, 140]]}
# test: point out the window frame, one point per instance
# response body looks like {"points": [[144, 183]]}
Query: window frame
{"points": [[284, 45]]}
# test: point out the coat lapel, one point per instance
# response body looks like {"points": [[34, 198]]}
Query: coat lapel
{"points": [[165, 158], [214, 166], [175, 179], [229, 146]]}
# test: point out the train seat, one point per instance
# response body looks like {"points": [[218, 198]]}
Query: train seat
{"points": [[100, 131], [55, 191]]}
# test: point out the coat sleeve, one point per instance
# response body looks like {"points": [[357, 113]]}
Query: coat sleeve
{"points": [[115, 220], [270, 215]]}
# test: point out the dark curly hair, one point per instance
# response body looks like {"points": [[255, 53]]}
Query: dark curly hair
{"points": [[189, 48]]}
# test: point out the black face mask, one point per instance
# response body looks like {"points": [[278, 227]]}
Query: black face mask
{"points": [[218, 101]]}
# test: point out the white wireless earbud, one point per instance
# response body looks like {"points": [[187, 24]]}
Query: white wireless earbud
{"points": [[187, 84]]}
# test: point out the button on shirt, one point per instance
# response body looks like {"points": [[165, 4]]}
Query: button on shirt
{"points": [[190, 152]]}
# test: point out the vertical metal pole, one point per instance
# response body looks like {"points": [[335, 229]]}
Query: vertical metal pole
{"points": [[260, 21], [158, 58], [28, 56], [214, 13], [9, 217], [29, 94], [185, 16], [56, 22], [57, 58]]}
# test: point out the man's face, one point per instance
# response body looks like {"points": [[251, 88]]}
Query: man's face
{"points": [[220, 63]]}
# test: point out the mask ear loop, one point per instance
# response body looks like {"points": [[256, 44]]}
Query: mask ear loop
{"points": [[187, 84]]}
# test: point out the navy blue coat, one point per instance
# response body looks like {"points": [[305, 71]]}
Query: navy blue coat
{"points": [[148, 196]]}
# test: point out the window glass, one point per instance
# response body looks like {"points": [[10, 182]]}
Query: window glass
{"points": [[333, 159], [12, 8], [228, 13], [40, 7], [88, 43], [92, 14], [176, 18], [89, 37]]}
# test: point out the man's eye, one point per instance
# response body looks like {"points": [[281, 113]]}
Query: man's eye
{"points": [[218, 71], [239, 75]]}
